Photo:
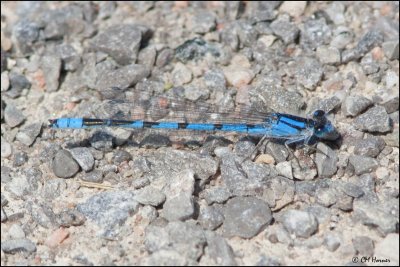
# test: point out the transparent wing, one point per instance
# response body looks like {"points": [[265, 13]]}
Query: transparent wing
{"points": [[171, 106]]}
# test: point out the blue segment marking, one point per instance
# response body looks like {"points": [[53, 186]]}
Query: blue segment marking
{"points": [[136, 124], [241, 128], [74, 123], [165, 125], [201, 126]]}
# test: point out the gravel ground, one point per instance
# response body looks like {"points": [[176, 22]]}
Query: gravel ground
{"points": [[120, 197]]}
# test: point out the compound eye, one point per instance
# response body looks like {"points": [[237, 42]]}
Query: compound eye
{"points": [[318, 114]]}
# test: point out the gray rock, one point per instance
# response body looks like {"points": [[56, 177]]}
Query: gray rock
{"points": [[236, 179], [84, 157], [375, 119], [327, 104], [150, 196], [245, 217], [268, 261], [279, 192], [332, 242], [28, 134], [285, 169], [161, 168], [379, 216], [315, 33], [210, 218], [194, 93], [261, 14], [391, 105], [215, 79], [5, 176], [102, 141], [230, 39], [63, 164], [43, 215], [336, 12], [344, 202], [217, 195], [20, 158], [354, 105], [109, 209], [326, 160], [122, 78], [300, 223], [278, 151], [18, 83], [246, 32], [120, 156], [164, 57], [202, 22], [278, 99], [182, 75], [277, 233], [155, 141], [18, 245], [53, 188], [16, 231], [368, 41], [388, 248], [147, 56], [140, 182], [5, 85], [6, 148], [106, 9], [370, 147], [304, 168], [367, 183], [322, 214], [285, 29], [69, 56], [26, 33], [371, 68], [342, 36], [167, 257], [70, 217], [392, 139], [328, 55], [326, 196], [148, 213], [363, 245], [95, 176], [244, 148], [121, 42], [185, 239], [306, 187], [51, 67], [308, 72], [363, 164], [13, 116], [219, 250], [391, 49], [56, 22], [352, 190], [180, 208], [195, 49], [258, 172]]}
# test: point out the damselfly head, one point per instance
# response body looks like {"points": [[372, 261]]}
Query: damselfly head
{"points": [[52, 123], [323, 128], [319, 117]]}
